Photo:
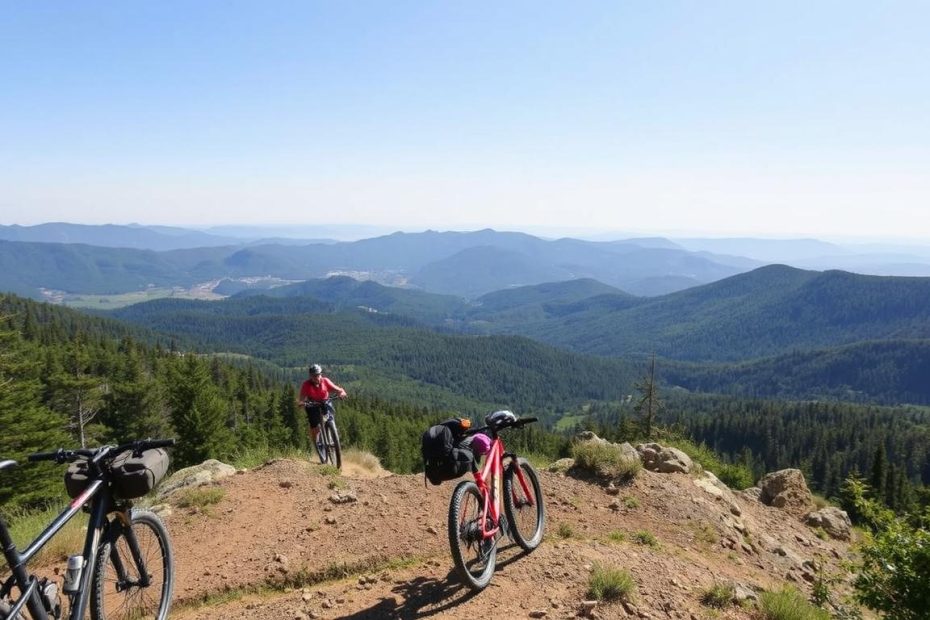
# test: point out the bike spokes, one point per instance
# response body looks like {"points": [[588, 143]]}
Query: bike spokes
{"points": [[474, 555]]}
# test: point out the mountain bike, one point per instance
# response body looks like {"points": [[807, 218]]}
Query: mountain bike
{"points": [[126, 569], [327, 443], [476, 522]]}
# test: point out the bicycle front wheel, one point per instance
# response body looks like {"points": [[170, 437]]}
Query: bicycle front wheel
{"points": [[526, 513], [334, 449], [474, 557], [320, 445], [134, 573]]}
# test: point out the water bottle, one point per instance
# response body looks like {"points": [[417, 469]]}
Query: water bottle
{"points": [[73, 574]]}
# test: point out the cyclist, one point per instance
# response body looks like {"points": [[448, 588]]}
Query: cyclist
{"points": [[316, 390]]}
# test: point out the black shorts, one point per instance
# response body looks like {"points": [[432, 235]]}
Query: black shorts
{"points": [[314, 415]]}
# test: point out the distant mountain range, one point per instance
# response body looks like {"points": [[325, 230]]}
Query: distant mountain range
{"points": [[463, 264]]}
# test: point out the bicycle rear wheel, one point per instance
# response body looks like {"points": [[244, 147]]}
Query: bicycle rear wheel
{"points": [[117, 590], [473, 556], [334, 449], [526, 513]]}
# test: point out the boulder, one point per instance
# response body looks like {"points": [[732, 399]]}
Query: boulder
{"points": [[664, 460], [787, 490], [834, 522], [207, 472]]}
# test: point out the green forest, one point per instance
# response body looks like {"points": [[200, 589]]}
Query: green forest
{"points": [[67, 377]]}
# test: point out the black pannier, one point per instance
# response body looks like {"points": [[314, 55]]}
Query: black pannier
{"points": [[131, 476], [444, 458]]}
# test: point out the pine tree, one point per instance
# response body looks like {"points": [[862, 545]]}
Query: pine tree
{"points": [[27, 427], [198, 414], [649, 403], [878, 479]]}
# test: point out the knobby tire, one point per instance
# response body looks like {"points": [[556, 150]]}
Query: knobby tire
{"points": [[474, 558], [527, 521], [132, 601], [334, 449]]}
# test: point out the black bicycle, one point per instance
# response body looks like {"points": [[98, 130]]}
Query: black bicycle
{"points": [[126, 568], [327, 443]]}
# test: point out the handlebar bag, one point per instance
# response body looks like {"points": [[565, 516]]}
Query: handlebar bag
{"points": [[76, 478], [135, 476], [443, 457]]}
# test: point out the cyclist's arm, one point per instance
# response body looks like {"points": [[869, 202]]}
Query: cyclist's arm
{"points": [[332, 386]]}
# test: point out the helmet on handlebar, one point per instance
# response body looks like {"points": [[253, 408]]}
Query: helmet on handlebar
{"points": [[500, 417], [316, 369]]}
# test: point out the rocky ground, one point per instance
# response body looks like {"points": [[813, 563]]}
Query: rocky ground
{"points": [[287, 540]]}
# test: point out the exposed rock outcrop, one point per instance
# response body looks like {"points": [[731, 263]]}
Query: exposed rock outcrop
{"points": [[207, 472], [786, 489], [834, 522], [664, 460]]}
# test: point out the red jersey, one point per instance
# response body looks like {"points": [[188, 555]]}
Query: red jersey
{"points": [[309, 391]]}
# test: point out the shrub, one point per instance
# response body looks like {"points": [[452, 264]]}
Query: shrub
{"points": [[788, 604], [565, 530], [705, 533], [616, 536], [735, 476], [610, 584], [719, 596], [630, 502], [645, 538], [605, 460], [894, 576]]}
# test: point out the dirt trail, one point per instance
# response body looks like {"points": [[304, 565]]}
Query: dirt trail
{"points": [[283, 524]]}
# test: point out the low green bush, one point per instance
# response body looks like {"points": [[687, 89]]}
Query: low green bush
{"points": [[610, 584], [604, 459], [788, 604]]}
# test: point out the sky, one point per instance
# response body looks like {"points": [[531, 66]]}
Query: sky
{"points": [[705, 118]]}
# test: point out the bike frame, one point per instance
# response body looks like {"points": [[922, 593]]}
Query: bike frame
{"points": [[99, 526], [493, 470]]}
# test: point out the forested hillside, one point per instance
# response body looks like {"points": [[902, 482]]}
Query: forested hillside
{"points": [[64, 376], [883, 372], [765, 312], [494, 370]]}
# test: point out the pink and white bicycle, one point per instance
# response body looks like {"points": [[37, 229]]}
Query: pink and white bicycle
{"points": [[476, 522]]}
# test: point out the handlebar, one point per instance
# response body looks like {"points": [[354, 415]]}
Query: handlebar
{"points": [[517, 424], [65, 456]]}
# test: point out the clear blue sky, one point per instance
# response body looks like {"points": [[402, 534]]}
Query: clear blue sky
{"points": [[705, 117]]}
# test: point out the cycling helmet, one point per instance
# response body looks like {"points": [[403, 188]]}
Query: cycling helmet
{"points": [[480, 444], [316, 369], [500, 417]]}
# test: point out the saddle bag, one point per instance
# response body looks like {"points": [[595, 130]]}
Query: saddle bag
{"points": [[444, 457]]}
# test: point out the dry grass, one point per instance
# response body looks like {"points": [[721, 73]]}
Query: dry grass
{"points": [[364, 460], [26, 525]]}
